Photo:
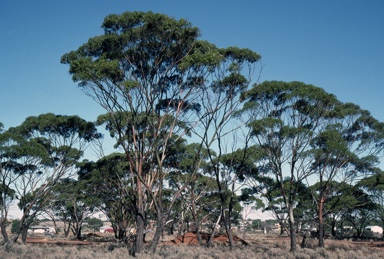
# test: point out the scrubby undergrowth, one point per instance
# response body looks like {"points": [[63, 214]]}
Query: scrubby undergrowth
{"points": [[256, 250]]}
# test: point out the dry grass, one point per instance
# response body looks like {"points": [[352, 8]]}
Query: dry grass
{"points": [[257, 250], [260, 246]]}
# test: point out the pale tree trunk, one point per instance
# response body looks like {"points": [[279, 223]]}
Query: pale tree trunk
{"points": [[194, 216], [292, 229], [209, 243], [181, 227], [3, 220]]}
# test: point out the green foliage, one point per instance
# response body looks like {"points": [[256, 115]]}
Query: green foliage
{"points": [[304, 132], [108, 186], [60, 125], [256, 224], [7, 192], [204, 54], [150, 41], [95, 224], [15, 225]]}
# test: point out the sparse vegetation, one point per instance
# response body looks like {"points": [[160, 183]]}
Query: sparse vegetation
{"points": [[259, 250]]}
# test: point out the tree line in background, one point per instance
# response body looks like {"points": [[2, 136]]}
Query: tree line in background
{"points": [[195, 138]]}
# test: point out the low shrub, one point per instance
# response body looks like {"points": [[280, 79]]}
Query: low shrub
{"points": [[259, 250]]}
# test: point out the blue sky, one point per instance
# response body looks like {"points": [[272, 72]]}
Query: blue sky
{"points": [[336, 45]]}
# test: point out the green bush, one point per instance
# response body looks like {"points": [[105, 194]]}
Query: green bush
{"points": [[15, 225], [95, 224]]}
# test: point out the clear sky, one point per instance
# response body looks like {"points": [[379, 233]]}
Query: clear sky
{"points": [[336, 45]]}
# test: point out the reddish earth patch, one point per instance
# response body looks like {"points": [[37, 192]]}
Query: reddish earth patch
{"points": [[190, 238]]}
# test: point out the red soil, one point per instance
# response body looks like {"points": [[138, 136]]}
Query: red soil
{"points": [[190, 238]]}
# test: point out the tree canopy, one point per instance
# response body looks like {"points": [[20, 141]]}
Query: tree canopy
{"points": [[195, 136]]}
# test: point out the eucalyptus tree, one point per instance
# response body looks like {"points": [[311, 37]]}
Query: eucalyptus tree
{"points": [[7, 194], [217, 129], [51, 146], [345, 150], [284, 118], [108, 182], [70, 203], [156, 195], [359, 217], [342, 198], [374, 187], [193, 203], [151, 71], [20, 158], [58, 208], [229, 172], [305, 131]]}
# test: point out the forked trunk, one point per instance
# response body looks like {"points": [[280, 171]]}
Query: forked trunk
{"points": [[209, 243], [22, 231], [227, 224], [67, 229]]}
